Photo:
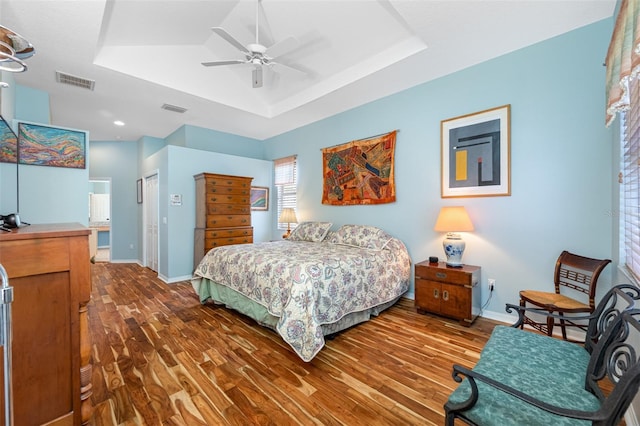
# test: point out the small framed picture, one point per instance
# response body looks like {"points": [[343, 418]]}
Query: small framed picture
{"points": [[475, 154], [259, 198]]}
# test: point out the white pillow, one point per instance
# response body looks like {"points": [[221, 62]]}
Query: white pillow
{"points": [[310, 231], [363, 236]]}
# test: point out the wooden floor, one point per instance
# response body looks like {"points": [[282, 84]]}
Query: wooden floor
{"points": [[161, 358]]}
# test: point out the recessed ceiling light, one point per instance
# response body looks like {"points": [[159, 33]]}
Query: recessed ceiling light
{"points": [[118, 123]]}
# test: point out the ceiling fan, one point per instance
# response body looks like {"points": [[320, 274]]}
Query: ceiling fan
{"points": [[256, 54]]}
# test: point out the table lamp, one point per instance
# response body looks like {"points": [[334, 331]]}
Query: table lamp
{"points": [[287, 216], [452, 220]]}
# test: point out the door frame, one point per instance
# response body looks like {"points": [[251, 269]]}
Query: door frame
{"points": [[111, 227]]}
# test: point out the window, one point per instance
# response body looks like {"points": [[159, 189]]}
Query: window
{"points": [[286, 185], [630, 178]]}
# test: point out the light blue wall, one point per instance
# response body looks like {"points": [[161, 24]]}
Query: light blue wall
{"points": [[212, 140], [177, 166], [148, 145], [54, 194], [118, 160], [46, 194], [561, 162], [32, 105]]}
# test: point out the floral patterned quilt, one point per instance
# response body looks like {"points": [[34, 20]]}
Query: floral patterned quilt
{"points": [[306, 284]]}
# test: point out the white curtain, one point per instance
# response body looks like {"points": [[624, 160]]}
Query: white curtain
{"points": [[623, 58]]}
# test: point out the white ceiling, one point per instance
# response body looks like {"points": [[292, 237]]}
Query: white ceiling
{"points": [[143, 54]]}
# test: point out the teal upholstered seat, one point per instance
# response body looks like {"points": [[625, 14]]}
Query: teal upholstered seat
{"points": [[502, 360], [526, 378]]}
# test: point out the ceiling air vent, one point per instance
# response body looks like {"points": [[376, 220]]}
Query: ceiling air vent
{"points": [[173, 108], [73, 80]]}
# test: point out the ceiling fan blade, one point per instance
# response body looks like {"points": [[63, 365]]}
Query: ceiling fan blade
{"points": [[282, 47], [290, 69], [230, 39], [265, 33], [216, 63]]}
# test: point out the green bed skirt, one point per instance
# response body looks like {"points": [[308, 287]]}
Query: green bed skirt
{"points": [[208, 290]]}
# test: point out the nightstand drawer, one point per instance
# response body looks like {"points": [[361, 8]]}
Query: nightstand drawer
{"points": [[445, 275]]}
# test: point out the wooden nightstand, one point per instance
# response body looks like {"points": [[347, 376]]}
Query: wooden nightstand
{"points": [[450, 292]]}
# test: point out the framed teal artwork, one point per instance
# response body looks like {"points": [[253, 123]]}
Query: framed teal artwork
{"points": [[259, 198]]}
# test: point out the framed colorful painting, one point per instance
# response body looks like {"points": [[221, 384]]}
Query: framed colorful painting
{"points": [[8, 143], [475, 154], [51, 146], [259, 198]]}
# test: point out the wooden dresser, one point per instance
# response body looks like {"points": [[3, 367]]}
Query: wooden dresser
{"points": [[223, 212], [48, 267]]}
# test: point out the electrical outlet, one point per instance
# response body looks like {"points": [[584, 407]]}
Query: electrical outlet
{"points": [[492, 284]]}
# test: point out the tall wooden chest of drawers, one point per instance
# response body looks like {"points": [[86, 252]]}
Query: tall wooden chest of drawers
{"points": [[223, 212]]}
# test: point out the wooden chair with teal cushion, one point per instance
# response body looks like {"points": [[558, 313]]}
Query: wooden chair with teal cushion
{"points": [[574, 276]]}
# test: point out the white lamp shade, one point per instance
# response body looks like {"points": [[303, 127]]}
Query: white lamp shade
{"points": [[288, 215], [452, 220]]}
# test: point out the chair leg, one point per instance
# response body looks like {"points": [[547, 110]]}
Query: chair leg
{"points": [[563, 327], [449, 419], [550, 322], [522, 304]]}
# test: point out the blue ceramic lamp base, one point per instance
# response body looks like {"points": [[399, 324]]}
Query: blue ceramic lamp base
{"points": [[454, 247]]}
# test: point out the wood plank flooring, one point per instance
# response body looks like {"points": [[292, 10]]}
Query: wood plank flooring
{"points": [[162, 358]]}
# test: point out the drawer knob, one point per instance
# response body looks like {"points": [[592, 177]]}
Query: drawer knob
{"points": [[441, 275], [436, 293], [445, 295]]}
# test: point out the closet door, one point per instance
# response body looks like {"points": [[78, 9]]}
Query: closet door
{"points": [[150, 202]]}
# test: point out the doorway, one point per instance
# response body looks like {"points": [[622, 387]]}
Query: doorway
{"points": [[100, 219]]}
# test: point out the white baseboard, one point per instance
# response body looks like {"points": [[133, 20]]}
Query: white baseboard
{"points": [[175, 279], [499, 316]]}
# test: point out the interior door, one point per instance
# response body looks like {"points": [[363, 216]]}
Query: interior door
{"points": [[150, 201]]}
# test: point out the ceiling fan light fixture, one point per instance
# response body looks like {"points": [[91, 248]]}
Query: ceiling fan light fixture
{"points": [[257, 48], [256, 77]]}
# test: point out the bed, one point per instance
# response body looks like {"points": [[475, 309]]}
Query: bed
{"points": [[313, 284]]}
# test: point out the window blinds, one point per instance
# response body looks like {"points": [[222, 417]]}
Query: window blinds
{"points": [[285, 169], [630, 191], [286, 185]]}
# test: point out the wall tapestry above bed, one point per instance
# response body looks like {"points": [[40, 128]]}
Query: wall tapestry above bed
{"points": [[359, 172]]}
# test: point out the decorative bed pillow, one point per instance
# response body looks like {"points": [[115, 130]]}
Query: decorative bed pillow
{"points": [[310, 231], [363, 236]]}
